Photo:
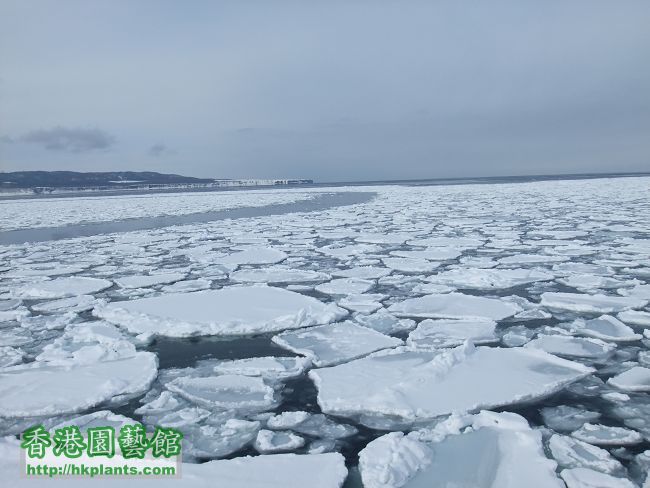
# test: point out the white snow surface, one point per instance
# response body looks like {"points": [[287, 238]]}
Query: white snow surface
{"points": [[403, 386], [236, 310]]}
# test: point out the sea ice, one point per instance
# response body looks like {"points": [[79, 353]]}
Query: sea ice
{"points": [[312, 424], [606, 328], [61, 288], [455, 306], [345, 286], [573, 453], [269, 367], [634, 379], [572, 347], [579, 302], [215, 441], [487, 450], [410, 265], [253, 255], [236, 310], [589, 478], [566, 418], [489, 279], [335, 343], [385, 322], [364, 303], [278, 275], [450, 333], [36, 389], [362, 272], [269, 441], [80, 303], [225, 392], [604, 435], [634, 317], [145, 281], [402, 386]]}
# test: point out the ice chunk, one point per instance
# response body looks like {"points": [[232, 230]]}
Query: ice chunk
{"points": [[532, 258], [269, 367], [410, 265], [431, 253], [215, 441], [449, 333], [634, 379], [236, 310], [489, 279], [317, 425], [362, 272], [639, 291], [403, 386], [269, 441], [588, 478], [634, 317], [225, 392], [101, 418], [335, 343], [565, 418], [385, 322], [187, 286], [572, 347], [579, 302], [79, 303], [604, 435], [573, 453], [37, 390], [345, 286], [61, 287], [144, 281], [365, 303], [10, 356], [497, 451], [278, 275], [455, 306], [606, 328], [253, 255], [588, 282]]}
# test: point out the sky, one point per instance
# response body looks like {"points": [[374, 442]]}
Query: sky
{"points": [[336, 90]]}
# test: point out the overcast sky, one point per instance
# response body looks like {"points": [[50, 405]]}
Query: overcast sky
{"points": [[328, 90]]}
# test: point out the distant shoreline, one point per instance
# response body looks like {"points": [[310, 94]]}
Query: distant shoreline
{"points": [[485, 180]]}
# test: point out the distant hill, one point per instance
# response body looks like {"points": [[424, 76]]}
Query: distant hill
{"points": [[115, 179]]}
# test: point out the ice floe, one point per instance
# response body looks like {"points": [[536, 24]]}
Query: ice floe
{"points": [[454, 306], [604, 435], [403, 387], [589, 478], [572, 347], [144, 281], [236, 310], [278, 275], [269, 441], [37, 389], [331, 344], [574, 453], [61, 287], [487, 450], [578, 302], [634, 379], [606, 328], [345, 286], [449, 333], [488, 279]]}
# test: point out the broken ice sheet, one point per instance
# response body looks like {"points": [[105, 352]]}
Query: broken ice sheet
{"points": [[498, 450], [236, 310], [450, 333], [402, 387], [455, 306], [37, 389], [335, 343]]}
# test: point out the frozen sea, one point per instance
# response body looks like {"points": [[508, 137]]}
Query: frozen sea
{"points": [[461, 335]]}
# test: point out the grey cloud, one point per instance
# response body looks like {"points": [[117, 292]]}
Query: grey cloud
{"points": [[75, 140], [159, 150]]}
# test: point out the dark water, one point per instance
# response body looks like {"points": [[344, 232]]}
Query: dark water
{"points": [[318, 203]]}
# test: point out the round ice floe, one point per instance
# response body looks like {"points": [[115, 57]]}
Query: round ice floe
{"points": [[634, 379], [254, 255], [431, 254], [489, 279], [345, 286], [364, 303], [589, 478], [362, 272], [278, 275], [236, 310], [61, 287], [578, 302], [572, 347], [269, 442], [79, 303], [410, 265], [37, 390], [450, 333], [144, 281], [455, 306], [604, 435]]}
